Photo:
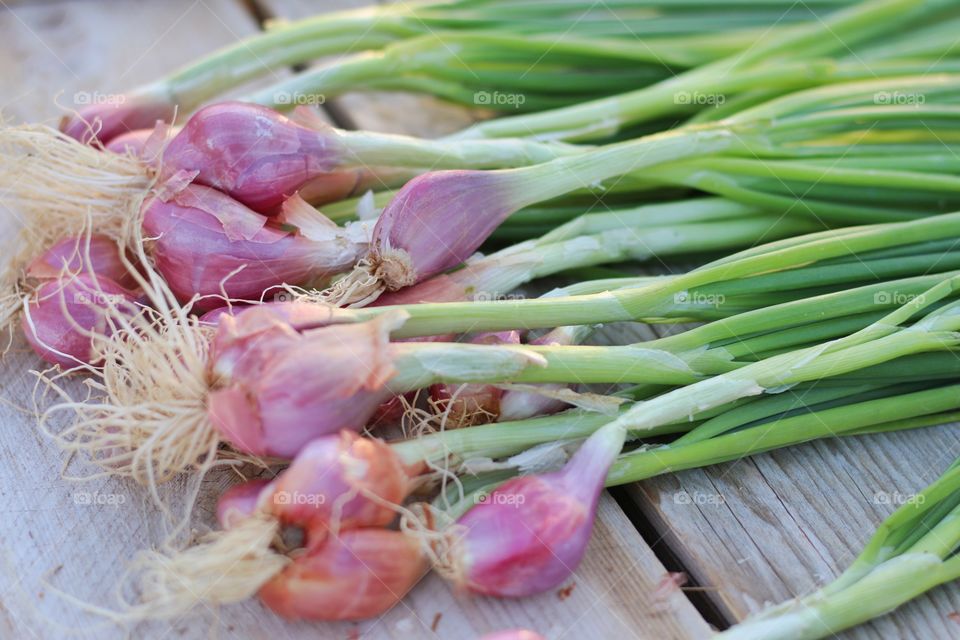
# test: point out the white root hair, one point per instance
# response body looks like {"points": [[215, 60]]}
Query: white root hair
{"points": [[144, 415], [51, 187], [223, 567]]}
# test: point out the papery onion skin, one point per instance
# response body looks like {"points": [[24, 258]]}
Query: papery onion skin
{"points": [[341, 479], [132, 142], [466, 405], [357, 574], [205, 243], [277, 389], [94, 254], [435, 222], [254, 154]]}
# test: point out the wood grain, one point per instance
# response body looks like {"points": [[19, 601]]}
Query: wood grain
{"points": [[770, 527]]}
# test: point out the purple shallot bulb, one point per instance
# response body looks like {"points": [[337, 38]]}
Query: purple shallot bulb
{"points": [[206, 244], [529, 534]]}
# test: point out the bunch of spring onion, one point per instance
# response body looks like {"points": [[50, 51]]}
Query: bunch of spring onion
{"points": [[671, 37], [407, 246], [276, 376], [913, 551], [863, 39], [200, 260], [818, 123], [343, 490], [240, 150]]}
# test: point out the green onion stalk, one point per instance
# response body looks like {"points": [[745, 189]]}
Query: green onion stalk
{"points": [[658, 300], [404, 248], [517, 74], [863, 25], [249, 363], [464, 551], [854, 406], [289, 43], [636, 234], [913, 551]]}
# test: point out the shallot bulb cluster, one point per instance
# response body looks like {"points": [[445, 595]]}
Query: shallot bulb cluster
{"points": [[339, 491], [77, 281]]}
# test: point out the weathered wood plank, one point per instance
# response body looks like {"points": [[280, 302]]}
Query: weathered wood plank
{"points": [[777, 525], [77, 537]]}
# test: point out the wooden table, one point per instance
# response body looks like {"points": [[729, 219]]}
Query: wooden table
{"points": [[746, 533]]}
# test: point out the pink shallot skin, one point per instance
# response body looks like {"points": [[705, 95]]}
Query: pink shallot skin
{"points": [[78, 278], [133, 142], [207, 244], [528, 535], [276, 389], [239, 502], [357, 574], [105, 121], [435, 222], [342, 481], [94, 254], [255, 155], [65, 314]]}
